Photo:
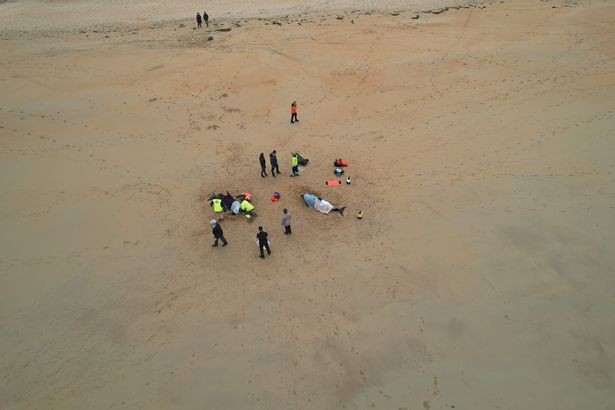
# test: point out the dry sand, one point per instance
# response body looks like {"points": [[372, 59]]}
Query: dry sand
{"points": [[481, 144]]}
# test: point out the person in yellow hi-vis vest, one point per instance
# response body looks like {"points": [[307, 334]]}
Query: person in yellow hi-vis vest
{"points": [[247, 209], [294, 163], [216, 204]]}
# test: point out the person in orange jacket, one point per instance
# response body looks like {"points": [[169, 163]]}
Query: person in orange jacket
{"points": [[293, 112]]}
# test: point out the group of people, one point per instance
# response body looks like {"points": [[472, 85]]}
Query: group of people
{"points": [[273, 160], [241, 204], [295, 160], [222, 203], [200, 20], [261, 236]]}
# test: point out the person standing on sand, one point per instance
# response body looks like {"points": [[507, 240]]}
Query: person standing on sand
{"points": [[206, 18], [286, 222], [294, 163], [293, 112], [216, 229], [263, 242], [273, 160], [198, 19], [261, 159]]}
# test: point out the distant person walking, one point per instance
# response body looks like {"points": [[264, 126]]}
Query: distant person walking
{"points": [[286, 222], [273, 160], [263, 242], [198, 19], [294, 163], [216, 229], [293, 112], [206, 18], [261, 159]]}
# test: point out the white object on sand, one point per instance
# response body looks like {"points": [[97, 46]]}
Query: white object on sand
{"points": [[323, 206]]}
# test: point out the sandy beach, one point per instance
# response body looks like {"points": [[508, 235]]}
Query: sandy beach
{"points": [[481, 143]]}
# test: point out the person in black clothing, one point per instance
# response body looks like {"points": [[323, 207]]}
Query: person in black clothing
{"points": [[198, 19], [227, 200], [216, 229], [263, 242], [273, 159], [206, 18], [261, 159]]}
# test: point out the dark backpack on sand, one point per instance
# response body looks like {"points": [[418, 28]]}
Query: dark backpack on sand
{"points": [[302, 161]]}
